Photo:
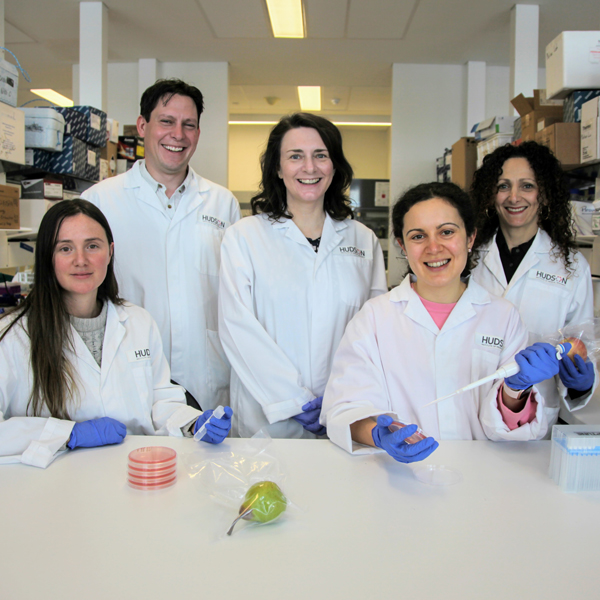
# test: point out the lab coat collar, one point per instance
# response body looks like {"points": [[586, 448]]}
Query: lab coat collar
{"points": [[463, 311], [330, 236]]}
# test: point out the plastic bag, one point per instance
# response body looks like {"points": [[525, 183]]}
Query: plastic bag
{"points": [[251, 474], [587, 332]]}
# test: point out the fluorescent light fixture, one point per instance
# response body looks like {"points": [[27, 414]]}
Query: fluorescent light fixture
{"points": [[53, 97], [338, 123], [287, 18], [310, 97]]}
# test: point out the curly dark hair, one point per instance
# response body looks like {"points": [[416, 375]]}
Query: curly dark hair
{"points": [[449, 192], [272, 195], [554, 215]]}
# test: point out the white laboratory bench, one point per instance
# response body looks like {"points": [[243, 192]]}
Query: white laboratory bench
{"points": [[368, 530]]}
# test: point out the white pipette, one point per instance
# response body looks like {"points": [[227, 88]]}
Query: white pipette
{"points": [[507, 370], [217, 414]]}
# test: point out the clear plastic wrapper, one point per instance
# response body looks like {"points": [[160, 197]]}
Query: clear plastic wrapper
{"points": [[417, 436], [584, 337], [249, 482]]}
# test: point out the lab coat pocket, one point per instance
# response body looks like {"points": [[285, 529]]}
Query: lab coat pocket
{"points": [[353, 276], [218, 367]]}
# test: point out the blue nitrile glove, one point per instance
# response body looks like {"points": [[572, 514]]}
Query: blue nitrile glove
{"points": [[97, 432], [576, 376], [537, 363], [309, 418], [394, 444], [217, 429]]}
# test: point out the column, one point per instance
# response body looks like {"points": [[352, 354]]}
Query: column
{"points": [[93, 54], [475, 94], [524, 44], [147, 74]]}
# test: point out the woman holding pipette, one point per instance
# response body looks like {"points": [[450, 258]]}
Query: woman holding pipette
{"points": [[79, 366], [528, 256], [433, 334]]}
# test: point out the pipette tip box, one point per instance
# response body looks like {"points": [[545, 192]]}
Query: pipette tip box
{"points": [[575, 458]]}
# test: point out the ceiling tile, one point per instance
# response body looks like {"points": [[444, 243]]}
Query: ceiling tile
{"points": [[237, 18], [379, 19]]}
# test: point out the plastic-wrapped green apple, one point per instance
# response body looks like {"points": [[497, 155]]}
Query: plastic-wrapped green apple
{"points": [[264, 502], [577, 347]]}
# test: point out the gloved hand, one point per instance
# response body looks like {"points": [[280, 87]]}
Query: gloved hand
{"points": [[309, 418], [578, 376], [217, 429], [537, 363], [97, 432], [394, 444]]}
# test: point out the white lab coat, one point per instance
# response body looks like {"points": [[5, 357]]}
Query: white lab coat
{"points": [[547, 299], [171, 268], [283, 309], [393, 360], [132, 386]]}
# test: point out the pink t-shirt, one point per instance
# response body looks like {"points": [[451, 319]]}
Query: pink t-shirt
{"points": [[440, 313]]}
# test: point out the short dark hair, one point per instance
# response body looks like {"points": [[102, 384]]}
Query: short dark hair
{"points": [[449, 192], [554, 215], [163, 90], [272, 196]]}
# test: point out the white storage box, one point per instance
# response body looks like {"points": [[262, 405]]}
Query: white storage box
{"points": [[572, 63], [490, 127], [9, 83], [33, 211], [590, 130], [12, 134], [575, 458], [488, 146], [44, 129]]}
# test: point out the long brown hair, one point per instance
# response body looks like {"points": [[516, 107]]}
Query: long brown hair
{"points": [[47, 323]]}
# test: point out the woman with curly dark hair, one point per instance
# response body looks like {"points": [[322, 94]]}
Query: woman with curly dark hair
{"points": [[292, 276], [527, 255]]}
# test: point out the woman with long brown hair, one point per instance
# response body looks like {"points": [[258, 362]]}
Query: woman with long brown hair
{"points": [[79, 366]]}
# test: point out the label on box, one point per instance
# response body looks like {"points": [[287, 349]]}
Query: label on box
{"points": [[53, 190], [95, 121], [91, 158], [382, 193]]}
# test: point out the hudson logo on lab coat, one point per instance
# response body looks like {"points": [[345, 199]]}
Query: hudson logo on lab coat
{"points": [[550, 277], [354, 251], [490, 341], [213, 221], [141, 354]]}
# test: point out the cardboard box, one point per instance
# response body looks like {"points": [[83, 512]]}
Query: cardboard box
{"points": [[590, 130], [9, 83], [563, 140], [75, 122], [33, 211], [492, 126], [72, 160], [12, 134], [574, 102], [44, 128], [39, 189], [9, 207], [464, 162], [112, 130], [92, 166], [573, 63], [95, 130], [130, 130], [533, 110], [486, 147], [109, 154], [40, 159]]}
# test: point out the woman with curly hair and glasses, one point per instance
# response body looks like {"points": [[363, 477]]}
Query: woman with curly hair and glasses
{"points": [[527, 255]]}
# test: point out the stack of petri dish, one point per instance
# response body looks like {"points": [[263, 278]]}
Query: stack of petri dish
{"points": [[152, 468]]}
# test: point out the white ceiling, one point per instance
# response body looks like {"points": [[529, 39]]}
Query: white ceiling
{"points": [[349, 50]]}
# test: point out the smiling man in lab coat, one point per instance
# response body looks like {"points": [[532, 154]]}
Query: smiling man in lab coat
{"points": [[168, 223]]}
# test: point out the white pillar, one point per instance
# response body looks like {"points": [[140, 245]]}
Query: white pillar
{"points": [[2, 28], [147, 74], [524, 44], [93, 54], [475, 93]]}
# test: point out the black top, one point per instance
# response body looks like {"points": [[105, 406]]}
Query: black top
{"points": [[511, 259], [314, 243]]}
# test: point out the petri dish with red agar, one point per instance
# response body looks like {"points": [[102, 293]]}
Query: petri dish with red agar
{"points": [[152, 468]]}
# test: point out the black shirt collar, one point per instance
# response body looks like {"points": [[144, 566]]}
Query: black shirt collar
{"points": [[511, 259]]}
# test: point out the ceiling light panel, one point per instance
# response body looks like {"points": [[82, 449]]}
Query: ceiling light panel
{"points": [[287, 18], [53, 97], [310, 97]]}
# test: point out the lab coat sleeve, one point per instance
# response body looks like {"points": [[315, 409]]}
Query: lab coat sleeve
{"points": [[379, 279], [35, 441], [261, 365], [580, 311], [169, 409], [489, 414], [356, 388]]}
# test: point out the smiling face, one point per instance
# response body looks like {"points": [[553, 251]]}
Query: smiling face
{"points": [[170, 137], [305, 167], [436, 245], [517, 199], [81, 257]]}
